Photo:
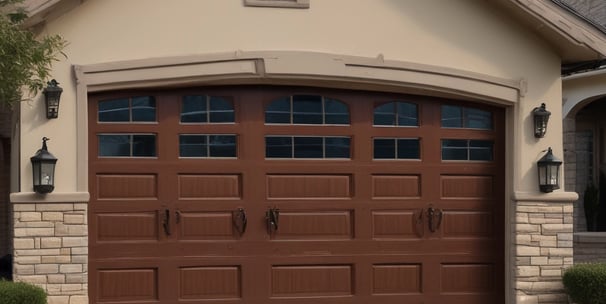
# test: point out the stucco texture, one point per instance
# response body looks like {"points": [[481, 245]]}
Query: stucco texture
{"points": [[468, 35]]}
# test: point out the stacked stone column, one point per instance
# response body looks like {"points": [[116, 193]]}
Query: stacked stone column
{"points": [[51, 249], [543, 237]]}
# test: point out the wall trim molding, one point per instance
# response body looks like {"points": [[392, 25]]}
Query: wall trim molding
{"points": [[56, 197], [283, 68]]}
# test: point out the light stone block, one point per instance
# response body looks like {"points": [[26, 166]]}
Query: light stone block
{"points": [[24, 243], [30, 216], [50, 242], [527, 251], [78, 300], [77, 241], [58, 299], [60, 259], [25, 232], [74, 218], [56, 278], [47, 268], [539, 260], [55, 207], [24, 207], [528, 271], [52, 216], [71, 268]]}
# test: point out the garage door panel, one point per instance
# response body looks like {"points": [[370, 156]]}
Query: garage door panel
{"points": [[467, 224], [205, 283], [127, 226], [467, 278], [396, 224], [126, 186], [204, 187], [397, 279], [206, 226], [396, 186], [299, 225], [457, 187], [126, 285], [308, 186], [349, 230], [311, 280]]}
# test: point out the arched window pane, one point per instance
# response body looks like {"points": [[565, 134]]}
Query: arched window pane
{"points": [[307, 109], [194, 109], [278, 111], [336, 112], [407, 114], [221, 110], [144, 108], [385, 115], [116, 110]]}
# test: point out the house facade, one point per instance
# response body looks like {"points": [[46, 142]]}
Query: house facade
{"points": [[265, 151]]}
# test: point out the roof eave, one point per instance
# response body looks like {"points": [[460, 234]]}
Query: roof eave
{"points": [[40, 11], [574, 38]]}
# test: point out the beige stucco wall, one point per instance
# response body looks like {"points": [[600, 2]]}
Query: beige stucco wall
{"points": [[468, 35]]}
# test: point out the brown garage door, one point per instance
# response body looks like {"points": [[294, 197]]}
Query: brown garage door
{"points": [[294, 195]]}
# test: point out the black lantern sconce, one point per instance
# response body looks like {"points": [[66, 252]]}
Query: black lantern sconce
{"points": [[52, 96], [43, 165], [549, 172], [541, 117]]}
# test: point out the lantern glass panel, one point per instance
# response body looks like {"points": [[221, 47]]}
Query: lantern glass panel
{"points": [[542, 175], [46, 173]]}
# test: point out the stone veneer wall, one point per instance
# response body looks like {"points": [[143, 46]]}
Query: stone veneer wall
{"points": [[51, 249], [543, 237], [589, 247]]}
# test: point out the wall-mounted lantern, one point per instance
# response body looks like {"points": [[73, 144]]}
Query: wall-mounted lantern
{"points": [[43, 165], [541, 117], [549, 172], [52, 96]]}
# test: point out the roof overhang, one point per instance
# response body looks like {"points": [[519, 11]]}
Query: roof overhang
{"points": [[574, 38]]}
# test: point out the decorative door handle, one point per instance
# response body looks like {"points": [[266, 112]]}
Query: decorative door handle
{"points": [[239, 220], [434, 217], [272, 216], [166, 222], [420, 227]]}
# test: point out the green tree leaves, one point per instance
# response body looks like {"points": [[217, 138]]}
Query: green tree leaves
{"points": [[25, 60]]}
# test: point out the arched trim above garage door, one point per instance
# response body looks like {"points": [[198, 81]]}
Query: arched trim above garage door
{"points": [[284, 68]]}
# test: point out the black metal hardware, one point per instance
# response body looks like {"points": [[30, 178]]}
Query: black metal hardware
{"points": [[434, 217], [166, 221], [239, 220], [178, 216], [419, 224], [272, 216]]}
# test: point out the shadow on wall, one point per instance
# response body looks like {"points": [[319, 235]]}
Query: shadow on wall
{"points": [[6, 267]]}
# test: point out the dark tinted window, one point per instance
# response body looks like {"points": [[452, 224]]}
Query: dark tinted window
{"points": [[396, 113], [135, 109], [127, 145], [396, 148], [307, 147], [307, 110], [207, 145], [463, 117], [463, 149], [206, 109]]}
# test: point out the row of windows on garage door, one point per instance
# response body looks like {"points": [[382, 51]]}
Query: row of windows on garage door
{"points": [[291, 110]]}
